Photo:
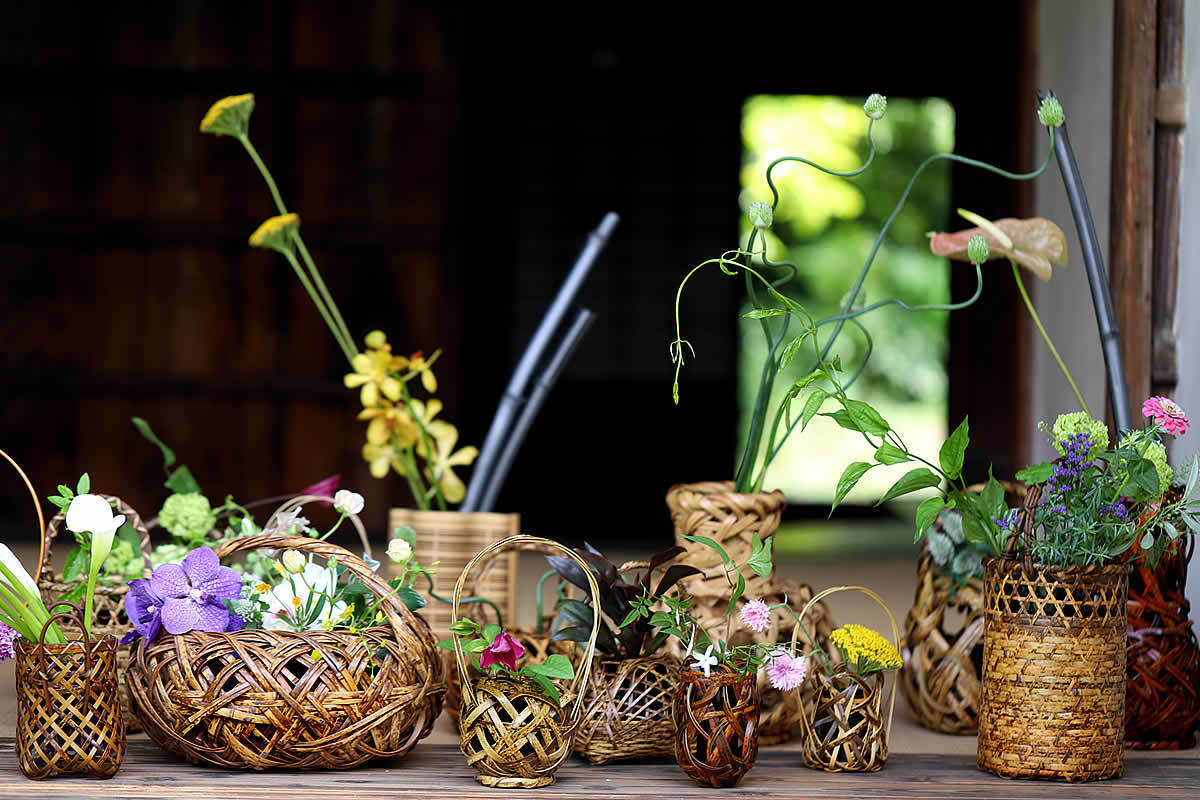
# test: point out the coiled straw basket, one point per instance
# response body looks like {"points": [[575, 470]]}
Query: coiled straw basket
{"points": [[844, 729], [263, 699], [1053, 666], [511, 732]]}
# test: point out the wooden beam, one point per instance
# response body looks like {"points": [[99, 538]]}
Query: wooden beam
{"points": [[1131, 232], [1168, 174]]}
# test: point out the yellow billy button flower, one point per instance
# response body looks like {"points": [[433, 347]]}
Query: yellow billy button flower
{"points": [[381, 456], [229, 116], [389, 423], [372, 371], [864, 650], [277, 233], [439, 471]]}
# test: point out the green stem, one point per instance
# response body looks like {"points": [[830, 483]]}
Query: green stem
{"points": [[425, 441], [414, 482], [538, 599], [1046, 336], [334, 528], [347, 347]]}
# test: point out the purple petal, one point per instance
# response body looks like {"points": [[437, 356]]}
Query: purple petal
{"points": [[170, 580], [236, 623], [201, 564], [139, 598], [225, 583], [179, 615], [152, 628], [211, 617], [131, 636]]}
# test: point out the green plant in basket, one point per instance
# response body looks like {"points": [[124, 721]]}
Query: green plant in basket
{"points": [[490, 649]]}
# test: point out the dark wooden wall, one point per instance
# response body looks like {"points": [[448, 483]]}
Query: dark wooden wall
{"points": [[447, 165]]}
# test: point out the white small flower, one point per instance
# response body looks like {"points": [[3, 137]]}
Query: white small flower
{"points": [[91, 513], [294, 561], [704, 661], [399, 550], [348, 502]]}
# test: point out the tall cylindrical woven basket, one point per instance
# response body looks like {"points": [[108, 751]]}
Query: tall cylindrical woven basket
{"points": [[450, 539], [108, 615]]}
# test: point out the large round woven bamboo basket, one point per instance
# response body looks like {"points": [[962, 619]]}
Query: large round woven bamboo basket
{"points": [[716, 726], [264, 699], [1162, 697], [510, 731], [108, 609]]}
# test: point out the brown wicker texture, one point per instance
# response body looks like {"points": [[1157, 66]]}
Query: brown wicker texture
{"points": [[844, 729], [511, 733], [712, 509], [108, 609], [261, 699], [1162, 697], [68, 705], [716, 726], [449, 540], [627, 709], [537, 647]]}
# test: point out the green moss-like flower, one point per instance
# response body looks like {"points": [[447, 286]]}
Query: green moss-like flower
{"points": [[875, 107], [761, 215], [1155, 453], [229, 116], [188, 517], [978, 250], [1079, 422], [1050, 112]]}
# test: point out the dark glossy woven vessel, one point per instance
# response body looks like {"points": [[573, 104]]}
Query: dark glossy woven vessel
{"points": [[716, 726]]}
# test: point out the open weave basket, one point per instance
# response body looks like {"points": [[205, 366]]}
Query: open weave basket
{"points": [[845, 730], [511, 732], [108, 609], [68, 707], [262, 699], [627, 709], [716, 726]]}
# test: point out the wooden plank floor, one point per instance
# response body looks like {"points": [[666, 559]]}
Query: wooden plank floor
{"points": [[439, 771]]}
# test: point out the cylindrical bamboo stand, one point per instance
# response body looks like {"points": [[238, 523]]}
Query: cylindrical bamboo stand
{"points": [[68, 705], [716, 726], [844, 730], [511, 732]]}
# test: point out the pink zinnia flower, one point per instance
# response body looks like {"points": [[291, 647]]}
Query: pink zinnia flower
{"points": [[504, 650], [786, 671], [756, 616], [1167, 414]]}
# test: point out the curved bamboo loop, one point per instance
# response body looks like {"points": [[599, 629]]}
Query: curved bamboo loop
{"points": [[883, 605], [37, 507], [523, 541], [300, 500]]}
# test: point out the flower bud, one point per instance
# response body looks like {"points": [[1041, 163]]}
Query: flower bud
{"points": [[229, 116], [294, 561], [1050, 112], [399, 550], [761, 215], [875, 107], [978, 250], [347, 502]]}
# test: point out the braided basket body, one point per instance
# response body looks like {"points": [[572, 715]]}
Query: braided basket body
{"points": [[262, 699], [1053, 671], [845, 732], [716, 726], [627, 709]]}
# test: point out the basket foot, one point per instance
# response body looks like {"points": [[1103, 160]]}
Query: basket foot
{"points": [[514, 782]]}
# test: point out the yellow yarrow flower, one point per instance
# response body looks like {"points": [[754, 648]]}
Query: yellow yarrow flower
{"points": [[229, 116], [864, 650], [277, 233]]}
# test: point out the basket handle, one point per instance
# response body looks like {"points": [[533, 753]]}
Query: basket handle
{"points": [[305, 499], [58, 522], [886, 610], [523, 542]]}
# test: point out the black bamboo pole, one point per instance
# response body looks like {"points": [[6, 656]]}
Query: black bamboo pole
{"points": [[514, 394], [1093, 260]]}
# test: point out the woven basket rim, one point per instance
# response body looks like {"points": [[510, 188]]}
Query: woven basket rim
{"points": [[1018, 564], [709, 488]]}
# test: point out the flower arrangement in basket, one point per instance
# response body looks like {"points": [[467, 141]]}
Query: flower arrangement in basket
{"points": [[305, 666]]}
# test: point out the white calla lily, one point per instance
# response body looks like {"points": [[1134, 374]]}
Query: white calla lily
{"points": [[91, 513]]}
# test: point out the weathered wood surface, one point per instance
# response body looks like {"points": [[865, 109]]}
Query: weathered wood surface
{"points": [[439, 771]]}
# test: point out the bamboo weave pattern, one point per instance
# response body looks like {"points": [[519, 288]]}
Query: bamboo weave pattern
{"points": [[716, 726]]}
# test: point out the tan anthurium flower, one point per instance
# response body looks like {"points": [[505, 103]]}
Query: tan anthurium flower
{"points": [[1034, 244], [389, 423]]}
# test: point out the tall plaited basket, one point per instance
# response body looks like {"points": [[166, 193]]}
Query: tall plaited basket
{"points": [[108, 615], [512, 734], [713, 510], [446, 542], [265, 699], [1053, 666]]}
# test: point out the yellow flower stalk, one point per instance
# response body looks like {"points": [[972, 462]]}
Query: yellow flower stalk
{"points": [[864, 650], [229, 116]]}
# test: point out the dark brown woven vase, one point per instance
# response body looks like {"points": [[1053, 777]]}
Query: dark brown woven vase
{"points": [[1162, 698], [627, 709], [716, 726], [1053, 671], [68, 708]]}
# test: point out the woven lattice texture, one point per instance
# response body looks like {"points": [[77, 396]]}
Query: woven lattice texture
{"points": [[627, 709], [940, 678], [716, 726], [712, 509], [537, 647], [1054, 671], [844, 731], [450, 539], [69, 709], [1162, 698], [259, 699], [108, 615]]}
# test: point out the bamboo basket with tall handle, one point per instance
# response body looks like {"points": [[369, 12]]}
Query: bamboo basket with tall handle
{"points": [[511, 733], [844, 729]]}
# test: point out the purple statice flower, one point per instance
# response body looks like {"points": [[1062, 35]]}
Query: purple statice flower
{"points": [[1008, 521], [8, 638], [1117, 511], [195, 592], [143, 606]]}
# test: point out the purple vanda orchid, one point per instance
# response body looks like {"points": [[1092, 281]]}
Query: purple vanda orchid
{"points": [[194, 593], [144, 609]]}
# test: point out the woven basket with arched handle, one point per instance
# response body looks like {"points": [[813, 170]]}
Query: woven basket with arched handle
{"points": [[844, 730], [511, 732], [264, 699]]}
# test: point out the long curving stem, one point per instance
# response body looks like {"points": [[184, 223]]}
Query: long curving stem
{"points": [[1045, 336]]}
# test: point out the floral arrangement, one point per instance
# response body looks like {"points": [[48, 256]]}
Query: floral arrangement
{"points": [[400, 427], [490, 649]]}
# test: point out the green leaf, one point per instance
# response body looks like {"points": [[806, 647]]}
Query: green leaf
{"points": [[555, 666], [448, 644], [992, 498], [927, 512], [61, 502], [1171, 530], [790, 351], [476, 645], [661, 619], [811, 406], [85, 484], [737, 593], [490, 632], [867, 418], [1147, 541], [405, 533], [707, 542], [849, 478], [1193, 474], [547, 687], [411, 598], [1143, 473], [631, 617], [951, 454], [975, 532], [1191, 522], [143, 428], [842, 417], [65, 491], [77, 564], [760, 560], [919, 478], [889, 454], [1036, 473], [803, 383], [182, 482], [763, 313]]}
